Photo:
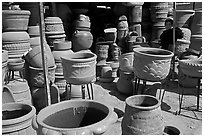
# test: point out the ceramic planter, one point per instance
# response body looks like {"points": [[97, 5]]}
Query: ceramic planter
{"points": [[35, 76], [126, 61], [182, 16], [191, 68], [81, 40], [152, 64], [53, 25], [15, 20], [142, 116], [20, 91], [16, 119], [79, 68], [75, 117]]}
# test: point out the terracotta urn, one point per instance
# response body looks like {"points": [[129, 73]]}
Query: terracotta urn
{"points": [[126, 61], [142, 116], [81, 40], [125, 82], [191, 68], [151, 64], [102, 52], [17, 119], [79, 68], [75, 117], [110, 34], [15, 20]]}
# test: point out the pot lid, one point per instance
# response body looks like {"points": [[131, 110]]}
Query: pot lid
{"points": [[15, 36]]}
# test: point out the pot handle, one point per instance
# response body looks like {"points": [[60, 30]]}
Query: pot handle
{"points": [[112, 119], [34, 123]]}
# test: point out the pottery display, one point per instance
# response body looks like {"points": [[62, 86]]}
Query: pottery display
{"points": [[126, 61], [152, 64], [106, 71], [86, 117], [81, 40], [191, 68], [17, 119], [182, 16], [39, 96], [102, 52], [15, 20], [142, 116], [20, 90], [110, 34], [125, 82], [79, 68], [34, 56], [196, 25]]}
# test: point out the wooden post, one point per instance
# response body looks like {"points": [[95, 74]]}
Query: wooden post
{"points": [[174, 38], [45, 66]]}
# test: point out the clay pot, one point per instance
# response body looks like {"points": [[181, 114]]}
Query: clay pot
{"points": [[35, 41], [7, 95], [126, 61], [39, 96], [79, 68], [53, 25], [16, 119], [102, 52], [124, 83], [16, 64], [186, 34], [182, 16], [114, 65], [51, 39], [35, 76], [82, 21], [152, 64], [34, 57], [20, 91], [110, 34], [106, 71], [86, 117], [15, 20], [191, 68], [115, 52], [34, 31], [196, 26], [81, 40], [142, 116], [196, 42]]}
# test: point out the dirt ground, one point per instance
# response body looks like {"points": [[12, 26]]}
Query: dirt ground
{"points": [[189, 122]]}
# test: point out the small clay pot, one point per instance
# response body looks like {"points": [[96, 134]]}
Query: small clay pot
{"points": [[82, 22], [53, 25], [15, 20], [33, 31], [102, 52], [16, 64], [62, 45]]}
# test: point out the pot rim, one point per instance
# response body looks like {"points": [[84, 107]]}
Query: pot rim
{"points": [[16, 12], [44, 110], [137, 50], [50, 68], [127, 101]]}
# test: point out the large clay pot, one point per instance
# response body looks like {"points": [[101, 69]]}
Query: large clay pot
{"points": [[196, 42], [126, 61], [196, 26], [182, 17], [20, 91], [79, 68], [39, 96], [191, 68], [124, 83], [53, 25], [142, 116], [34, 56], [152, 64], [15, 20], [81, 40], [75, 117], [17, 118]]}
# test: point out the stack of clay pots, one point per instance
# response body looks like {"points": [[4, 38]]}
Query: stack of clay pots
{"points": [[34, 33], [82, 38], [54, 30], [61, 49], [159, 12]]}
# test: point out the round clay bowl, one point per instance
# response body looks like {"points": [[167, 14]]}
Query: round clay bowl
{"points": [[34, 31], [15, 37], [16, 64], [191, 68]]}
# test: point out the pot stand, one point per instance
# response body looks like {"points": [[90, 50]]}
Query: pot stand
{"points": [[137, 83], [181, 94], [69, 85]]}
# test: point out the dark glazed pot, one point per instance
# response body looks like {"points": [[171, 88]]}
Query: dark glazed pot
{"points": [[75, 117]]}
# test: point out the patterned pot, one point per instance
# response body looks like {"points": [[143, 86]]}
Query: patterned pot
{"points": [[75, 117], [53, 25], [152, 64], [102, 52], [17, 119], [181, 46], [15, 20], [79, 68], [142, 116]]}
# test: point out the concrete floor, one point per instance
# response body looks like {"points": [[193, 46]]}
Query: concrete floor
{"points": [[189, 122]]}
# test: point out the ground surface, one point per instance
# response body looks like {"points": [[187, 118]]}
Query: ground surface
{"points": [[189, 122]]}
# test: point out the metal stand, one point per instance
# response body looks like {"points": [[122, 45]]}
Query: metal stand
{"points": [[182, 91], [137, 83], [69, 85]]}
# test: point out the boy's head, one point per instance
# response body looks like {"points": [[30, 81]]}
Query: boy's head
{"points": [[168, 23]]}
